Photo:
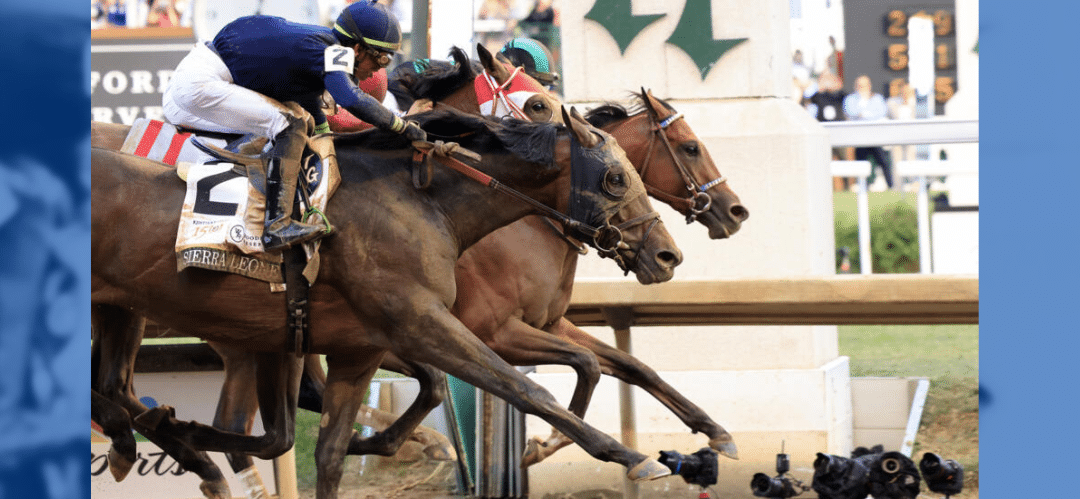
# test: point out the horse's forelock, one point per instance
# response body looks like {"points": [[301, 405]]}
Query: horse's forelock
{"points": [[441, 80], [531, 141]]}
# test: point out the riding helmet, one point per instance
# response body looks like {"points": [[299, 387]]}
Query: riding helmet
{"points": [[370, 23], [533, 56]]}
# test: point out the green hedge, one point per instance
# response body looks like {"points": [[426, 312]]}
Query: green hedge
{"points": [[894, 232]]}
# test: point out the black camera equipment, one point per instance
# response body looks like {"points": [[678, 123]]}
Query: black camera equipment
{"points": [[837, 477], [941, 475], [779, 486], [893, 476], [699, 468]]}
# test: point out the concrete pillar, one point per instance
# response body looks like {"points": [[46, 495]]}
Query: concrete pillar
{"points": [[765, 384]]}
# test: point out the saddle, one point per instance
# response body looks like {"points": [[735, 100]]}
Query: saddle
{"points": [[222, 218]]}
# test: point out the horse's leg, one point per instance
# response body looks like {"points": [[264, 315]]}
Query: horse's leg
{"points": [[433, 391], [521, 344], [235, 413], [346, 382], [439, 339], [110, 416], [116, 424], [278, 382], [626, 367], [118, 336]]}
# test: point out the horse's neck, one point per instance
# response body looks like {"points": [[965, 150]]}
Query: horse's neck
{"points": [[465, 208]]}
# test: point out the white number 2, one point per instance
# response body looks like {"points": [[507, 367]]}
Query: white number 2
{"points": [[338, 58]]}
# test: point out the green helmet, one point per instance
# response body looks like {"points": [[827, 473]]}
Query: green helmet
{"points": [[533, 56]]}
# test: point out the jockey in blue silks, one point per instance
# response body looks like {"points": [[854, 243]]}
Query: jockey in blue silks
{"points": [[224, 85]]}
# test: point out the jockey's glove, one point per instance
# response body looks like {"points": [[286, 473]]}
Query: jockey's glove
{"points": [[413, 132]]}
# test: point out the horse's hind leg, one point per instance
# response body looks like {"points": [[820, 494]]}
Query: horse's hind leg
{"points": [[118, 334], [626, 367], [277, 385], [346, 382]]}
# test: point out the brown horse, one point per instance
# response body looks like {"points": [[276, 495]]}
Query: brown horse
{"points": [[517, 311], [399, 293]]}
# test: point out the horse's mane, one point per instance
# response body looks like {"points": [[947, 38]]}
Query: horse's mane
{"points": [[533, 142], [611, 112], [441, 80]]}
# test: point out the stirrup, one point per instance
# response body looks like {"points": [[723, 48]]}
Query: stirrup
{"points": [[292, 234]]}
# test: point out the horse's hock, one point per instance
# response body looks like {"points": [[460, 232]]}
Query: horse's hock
{"points": [[767, 385]]}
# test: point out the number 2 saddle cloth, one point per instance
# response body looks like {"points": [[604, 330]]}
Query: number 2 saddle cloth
{"points": [[221, 222]]}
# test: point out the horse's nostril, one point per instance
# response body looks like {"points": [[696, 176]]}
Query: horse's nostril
{"points": [[739, 212], [669, 258]]}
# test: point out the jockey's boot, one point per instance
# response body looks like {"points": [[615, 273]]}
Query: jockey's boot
{"points": [[282, 169]]}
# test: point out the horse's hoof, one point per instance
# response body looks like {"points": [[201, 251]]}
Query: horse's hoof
{"points": [[119, 464], [440, 452], [217, 489], [649, 469], [532, 452], [725, 446]]}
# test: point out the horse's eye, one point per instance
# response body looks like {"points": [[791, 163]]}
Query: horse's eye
{"points": [[691, 149], [615, 184], [538, 107]]}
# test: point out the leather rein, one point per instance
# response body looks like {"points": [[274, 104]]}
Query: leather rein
{"points": [[699, 195]]}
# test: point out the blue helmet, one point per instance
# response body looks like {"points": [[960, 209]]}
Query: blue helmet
{"points": [[533, 56], [368, 23]]}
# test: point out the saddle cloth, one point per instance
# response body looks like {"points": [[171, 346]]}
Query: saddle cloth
{"points": [[221, 221]]}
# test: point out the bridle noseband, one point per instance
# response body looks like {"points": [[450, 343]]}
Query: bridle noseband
{"points": [[699, 200]]}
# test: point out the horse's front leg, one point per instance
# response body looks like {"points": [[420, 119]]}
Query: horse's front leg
{"points": [[433, 336], [433, 391], [235, 413], [346, 381], [523, 345], [626, 367]]}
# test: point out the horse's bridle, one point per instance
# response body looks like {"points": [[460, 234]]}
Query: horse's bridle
{"points": [[698, 192]]}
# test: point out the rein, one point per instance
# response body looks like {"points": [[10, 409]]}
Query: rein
{"points": [[699, 192], [441, 151]]}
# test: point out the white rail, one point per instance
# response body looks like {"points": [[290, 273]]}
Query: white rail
{"points": [[900, 132]]}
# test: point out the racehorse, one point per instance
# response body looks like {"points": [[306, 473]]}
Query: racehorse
{"points": [[518, 310], [399, 292]]}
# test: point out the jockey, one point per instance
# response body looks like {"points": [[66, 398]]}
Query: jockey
{"points": [[533, 57], [235, 84]]}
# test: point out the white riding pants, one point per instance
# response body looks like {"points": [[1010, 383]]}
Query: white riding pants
{"points": [[201, 94]]}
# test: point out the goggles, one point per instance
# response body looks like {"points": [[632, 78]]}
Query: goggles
{"points": [[381, 58]]}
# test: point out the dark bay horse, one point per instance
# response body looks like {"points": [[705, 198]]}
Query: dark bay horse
{"points": [[399, 292], [518, 310]]}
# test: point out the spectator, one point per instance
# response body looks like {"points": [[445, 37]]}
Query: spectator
{"points": [[116, 14], [801, 74], [827, 104], [97, 14], [866, 105], [835, 62], [542, 24], [163, 14]]}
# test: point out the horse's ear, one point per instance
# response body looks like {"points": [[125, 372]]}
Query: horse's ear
{"points": [[647, 100], [493, 67], [581, 128]]}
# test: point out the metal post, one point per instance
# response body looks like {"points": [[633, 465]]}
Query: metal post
{"points": [[866, 258], [421, 28], [620, 319], [923, 201]]}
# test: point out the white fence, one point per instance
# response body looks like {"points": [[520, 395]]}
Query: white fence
{"points": [[900, 132]]}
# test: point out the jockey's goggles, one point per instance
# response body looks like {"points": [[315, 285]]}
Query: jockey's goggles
{"points": [[381, 58]]}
